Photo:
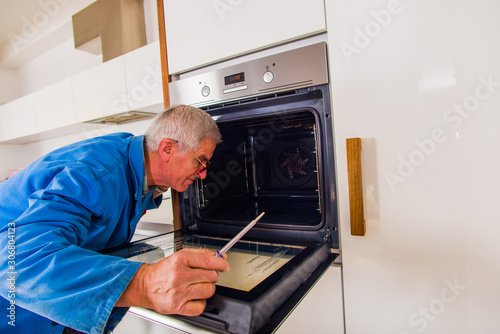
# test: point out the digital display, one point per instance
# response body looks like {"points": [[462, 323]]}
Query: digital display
{"points": [[234, 78]]}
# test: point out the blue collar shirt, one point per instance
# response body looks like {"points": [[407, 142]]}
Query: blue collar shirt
{"points": [[55, 217]]}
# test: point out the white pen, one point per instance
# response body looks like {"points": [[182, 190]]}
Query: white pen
{"points": [[220, 254]]}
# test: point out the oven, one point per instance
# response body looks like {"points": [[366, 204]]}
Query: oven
{"points": [[276, 157]]}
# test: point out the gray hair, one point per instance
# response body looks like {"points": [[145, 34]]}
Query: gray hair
{"points": [[183, 123]]}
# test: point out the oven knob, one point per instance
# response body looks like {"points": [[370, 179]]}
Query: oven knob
{"points": [[268, 76], [205, 91]]}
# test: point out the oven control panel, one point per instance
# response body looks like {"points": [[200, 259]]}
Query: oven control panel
{"points": [[294, 69]]}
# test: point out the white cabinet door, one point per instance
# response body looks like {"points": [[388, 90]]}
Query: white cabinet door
{"points": [[133, 324], [18, 118], [126, 83], [100, 91], [144, 80], [203, 32], [54, 106], [321, 310], [419, 82]]}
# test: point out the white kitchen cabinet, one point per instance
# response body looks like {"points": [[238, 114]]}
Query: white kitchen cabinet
{"points": [[144, 79], [321, 310], [100, 91], [54, 106], [133, 324], [419, 83], [131, 82], [205, 32], [18, 118]]}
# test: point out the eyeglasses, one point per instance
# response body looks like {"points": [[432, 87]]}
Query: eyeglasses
{"points": [[204, 165]]}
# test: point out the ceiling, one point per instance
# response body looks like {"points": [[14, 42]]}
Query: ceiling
{"points": [[11, 14], [25, 23]]}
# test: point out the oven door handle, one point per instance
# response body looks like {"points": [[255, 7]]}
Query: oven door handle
{"points": [[354, 173]]}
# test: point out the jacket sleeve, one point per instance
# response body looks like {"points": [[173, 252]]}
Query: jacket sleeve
{"points": [[54, 276]]}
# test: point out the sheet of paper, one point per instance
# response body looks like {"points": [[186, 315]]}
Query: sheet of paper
{"points": [[248, 270]]}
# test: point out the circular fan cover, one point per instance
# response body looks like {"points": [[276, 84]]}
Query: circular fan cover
{"points": [[293, 163]]}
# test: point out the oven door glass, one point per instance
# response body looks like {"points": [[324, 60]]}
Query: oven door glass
{"points": [[255, 266], [264, 283]]}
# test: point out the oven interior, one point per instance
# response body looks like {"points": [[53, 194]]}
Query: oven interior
{"points": [[270, 171], [275, 157]]}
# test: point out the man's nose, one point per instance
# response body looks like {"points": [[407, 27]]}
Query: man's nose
{"points": [[202, 175]]}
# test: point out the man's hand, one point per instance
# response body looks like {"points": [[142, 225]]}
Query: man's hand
{"points": [[178, 284]]}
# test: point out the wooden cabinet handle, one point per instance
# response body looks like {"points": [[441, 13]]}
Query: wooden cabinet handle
{"points": [[354, 173]]}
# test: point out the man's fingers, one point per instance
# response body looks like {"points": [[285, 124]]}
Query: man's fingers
{"points": [[193, 307], [201, 290], [205, 259], [195, 275], [187, 300]]}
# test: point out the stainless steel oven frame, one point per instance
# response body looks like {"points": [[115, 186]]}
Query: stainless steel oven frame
{"points": [[275, 88]]}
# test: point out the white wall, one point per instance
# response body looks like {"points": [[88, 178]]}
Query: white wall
{"points": [[39, 148], [20, 156], [53, 66], [12, 157], [31, 27], [9, 85]]}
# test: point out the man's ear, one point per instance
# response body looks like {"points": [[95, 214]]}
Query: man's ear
{"points": [[166, 149]]}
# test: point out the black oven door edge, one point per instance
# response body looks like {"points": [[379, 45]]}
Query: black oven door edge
{"points": [[279, 315]]}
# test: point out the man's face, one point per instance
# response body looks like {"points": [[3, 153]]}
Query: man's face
{"points": [[185, 167]]}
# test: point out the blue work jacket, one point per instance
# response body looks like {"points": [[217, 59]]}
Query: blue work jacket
{"points": [[55, 216]]}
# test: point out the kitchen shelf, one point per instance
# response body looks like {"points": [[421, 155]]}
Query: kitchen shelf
{"points": [[131, 82]]}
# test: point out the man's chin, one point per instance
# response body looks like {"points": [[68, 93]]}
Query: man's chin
{"points": [[181, 189], [185, 185]]}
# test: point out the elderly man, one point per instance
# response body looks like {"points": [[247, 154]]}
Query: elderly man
{"points": [[63, 208]]}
